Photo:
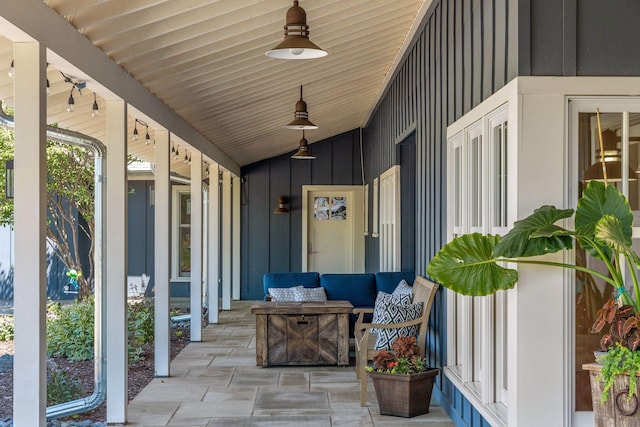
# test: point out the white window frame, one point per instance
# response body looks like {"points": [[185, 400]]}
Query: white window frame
{"points": [[477, 326], [176, 191], [390, 256]]}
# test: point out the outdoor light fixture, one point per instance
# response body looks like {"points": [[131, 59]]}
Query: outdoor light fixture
{"points": [[79, 85], [11, 71], [95, 110], [303, 152], [611, 155], [282, 205], [71, 102], [48, 87], [296, 43], [135, 130], [301, 116]]}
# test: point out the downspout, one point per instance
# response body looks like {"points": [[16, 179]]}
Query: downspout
{"points": [[100, 386]]}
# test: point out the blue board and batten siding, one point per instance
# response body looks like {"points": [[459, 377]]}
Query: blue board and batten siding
{"points": [[273, 242], [461, 56]]}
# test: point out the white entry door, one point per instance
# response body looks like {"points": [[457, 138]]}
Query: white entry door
{"points": [[333, 229]]}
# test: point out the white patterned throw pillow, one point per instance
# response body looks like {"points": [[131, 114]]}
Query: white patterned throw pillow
{"points": [[388, 312], [403, 288], [380, 307], [283, 294], [309, 294]]}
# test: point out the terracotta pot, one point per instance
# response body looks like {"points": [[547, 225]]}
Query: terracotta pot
{"points": [[404, 395]]}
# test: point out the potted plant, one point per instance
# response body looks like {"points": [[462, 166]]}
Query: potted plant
{"points": [[603, 221], [402, 379]]}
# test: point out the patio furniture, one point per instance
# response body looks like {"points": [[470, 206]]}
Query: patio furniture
{"points": [[423, 291], [302, 333]]}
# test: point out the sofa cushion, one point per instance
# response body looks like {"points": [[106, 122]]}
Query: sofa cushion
{"points": [[284, 294], [388, 280], [302, 294], [359, 289], [388, 312], [287, 280]]}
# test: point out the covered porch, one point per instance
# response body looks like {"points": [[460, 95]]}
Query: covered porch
{"points": [[216, 383]]}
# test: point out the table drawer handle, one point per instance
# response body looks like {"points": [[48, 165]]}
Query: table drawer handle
{"points": [[303, 322]]}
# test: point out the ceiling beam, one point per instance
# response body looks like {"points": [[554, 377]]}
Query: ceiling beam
{"points": [[34, 20]]}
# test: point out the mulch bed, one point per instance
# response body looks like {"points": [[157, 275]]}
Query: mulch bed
{"points": [[140, 374]]}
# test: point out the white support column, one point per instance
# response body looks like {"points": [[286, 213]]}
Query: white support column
{"points": [[214, 243], [162, 260], [196, 246], [236, 239], [226, 240], [116, 265], [30, 282]]}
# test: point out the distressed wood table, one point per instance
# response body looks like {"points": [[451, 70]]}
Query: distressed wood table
{"points": [[302, 333]]}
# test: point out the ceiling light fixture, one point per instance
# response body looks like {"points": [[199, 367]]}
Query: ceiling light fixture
{"points": [[135, 130], [95, 110], [11, 71], [301, 116], [303, 152], [147, 138], [296, 43]]}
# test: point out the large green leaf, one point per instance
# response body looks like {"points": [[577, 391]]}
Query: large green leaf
{"points": [[597, 201], [467, 265], [609, 230], [537, 234]]}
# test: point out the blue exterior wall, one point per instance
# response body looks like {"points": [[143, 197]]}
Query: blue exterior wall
{"points": [[272, 243]]}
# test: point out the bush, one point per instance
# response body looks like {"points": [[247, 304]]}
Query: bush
{"points": [[63, 387], [70, 330], [141, 324], [6, 328]]}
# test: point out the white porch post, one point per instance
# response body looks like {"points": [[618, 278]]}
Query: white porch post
{"points": [[116, 265], [196, 246], [236, 238], [226, 240], [30, 282], [162, 228], [214, 243]]}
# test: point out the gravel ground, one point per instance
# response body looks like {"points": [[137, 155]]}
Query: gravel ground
{"points": [[140, 374]]}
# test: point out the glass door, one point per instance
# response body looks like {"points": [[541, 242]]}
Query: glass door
{"points": [[620, 131]]}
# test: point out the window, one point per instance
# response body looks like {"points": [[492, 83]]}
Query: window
{"points": [[477, 327], [390, 220], [181, 232], [620, 124]]}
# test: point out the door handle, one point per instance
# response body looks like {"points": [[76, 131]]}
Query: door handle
{"points": [[310, 248]]}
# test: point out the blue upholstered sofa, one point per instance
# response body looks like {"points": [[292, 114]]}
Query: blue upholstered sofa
{"points": [[360, 289]]}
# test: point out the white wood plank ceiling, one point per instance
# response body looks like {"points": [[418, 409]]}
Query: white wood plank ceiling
{"points": [[205, 60]]}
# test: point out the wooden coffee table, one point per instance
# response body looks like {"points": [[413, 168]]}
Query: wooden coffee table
{"points": [[302, 333]]}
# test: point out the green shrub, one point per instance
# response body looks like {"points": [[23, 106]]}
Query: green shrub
{"points": [[6, 328], [63, 387], [141, 324], [70, 330]]}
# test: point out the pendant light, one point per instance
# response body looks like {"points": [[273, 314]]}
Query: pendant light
{"points": [[611, 155], [301, 116], [296, 43], [303, 152]]}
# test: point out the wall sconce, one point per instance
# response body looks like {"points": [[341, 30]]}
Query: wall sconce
{"points": [[296, 43], [8, 179], [282, 205]]}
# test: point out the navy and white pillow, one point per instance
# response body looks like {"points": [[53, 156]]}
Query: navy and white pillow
{"points": [[309, 294], [283, 294], [403, 288], [388, 312]]}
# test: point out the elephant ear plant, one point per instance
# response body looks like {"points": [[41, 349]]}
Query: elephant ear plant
{"points": [[603, 221]]}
